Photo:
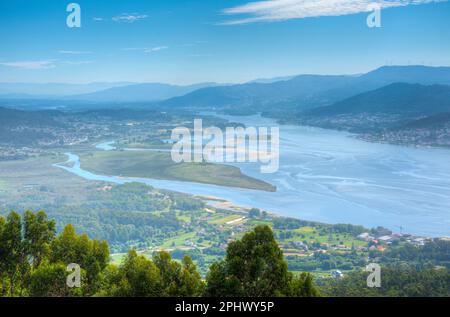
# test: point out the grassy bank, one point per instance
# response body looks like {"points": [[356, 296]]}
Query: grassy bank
{"points": [[159, 165]]}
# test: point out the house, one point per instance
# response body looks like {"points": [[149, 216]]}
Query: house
{"points": [[189, 243], [365, 236], [337, 274], [385, 238], [342, 247], [418, 241], [299, 244]]}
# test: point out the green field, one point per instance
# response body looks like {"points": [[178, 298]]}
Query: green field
{"points": [[224, 220], [159, 165], [179, 240], [311, 234]]}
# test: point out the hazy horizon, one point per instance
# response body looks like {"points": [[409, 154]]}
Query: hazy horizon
{"points": [[280, 77]]}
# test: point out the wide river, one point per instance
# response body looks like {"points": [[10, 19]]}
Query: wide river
{"points": [[331, 177]]}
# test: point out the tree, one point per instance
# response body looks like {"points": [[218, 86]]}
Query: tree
{"points": [[91, 255], [397, 281], [12, 249], [170, 272], [302, 286], [137, 277], [254, 213], [23, 245], [178, 279], [254, 266], [33, 262], [64, 247], [191, 281], [49, 280], [38, 234], [2, 257], [217, 282], [162, 276]]}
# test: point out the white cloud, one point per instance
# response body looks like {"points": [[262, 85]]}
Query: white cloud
{"points": [[30, 64], [47, 64], [155, 49], [129, 18], [146, 49], [74, 52], [77, 62], [193, 44], [280, 10], [98, 19]]}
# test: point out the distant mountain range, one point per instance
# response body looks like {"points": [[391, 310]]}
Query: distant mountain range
{"points": [[270, 80], [97, 92], [306, 91], [52, 90], [264, 95], [140, 92], [386, 99]]}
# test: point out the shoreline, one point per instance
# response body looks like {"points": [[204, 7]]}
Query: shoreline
{"points": [[242, 200], [230, 206], [360, 136]]}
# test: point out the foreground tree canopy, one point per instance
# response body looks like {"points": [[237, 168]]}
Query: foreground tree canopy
{"points": [[34, 260], [254, 266]]}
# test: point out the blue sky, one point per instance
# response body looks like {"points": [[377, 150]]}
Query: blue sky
{"points": [[182, 42]]}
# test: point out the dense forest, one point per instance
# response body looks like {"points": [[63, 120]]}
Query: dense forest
{"points": [[34, 261]]}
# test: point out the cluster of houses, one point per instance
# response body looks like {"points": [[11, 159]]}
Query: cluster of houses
{"points": [[420, 137], [388, 239], [379, 243]]}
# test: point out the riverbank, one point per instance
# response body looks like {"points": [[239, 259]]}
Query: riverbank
{"points": [[159, 165], [329, 177]]}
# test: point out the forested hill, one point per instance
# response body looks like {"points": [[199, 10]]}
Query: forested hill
{"points": [[306, 91], [282, 98], [397, 98], [10, 118], [140, 92], [24, 128], [425, 75], [434, 121], [400, 113]]}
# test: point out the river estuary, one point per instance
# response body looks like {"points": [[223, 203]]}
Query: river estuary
{"points": [[332, 177]]}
